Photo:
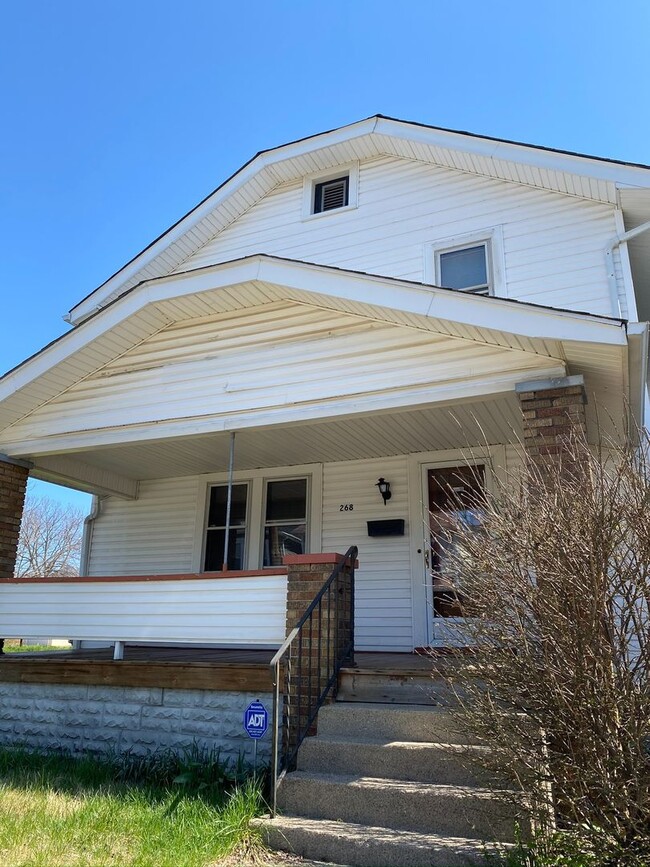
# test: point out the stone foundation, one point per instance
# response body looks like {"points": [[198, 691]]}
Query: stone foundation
{"points": [[136, 720]]}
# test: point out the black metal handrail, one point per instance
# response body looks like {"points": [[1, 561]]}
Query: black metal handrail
{"points": [[309, 662]]}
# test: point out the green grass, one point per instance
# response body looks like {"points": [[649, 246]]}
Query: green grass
{"points": [[59, 811], [30, 648]]}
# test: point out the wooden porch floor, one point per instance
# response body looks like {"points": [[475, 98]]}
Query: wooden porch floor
{"points": [[175, 667]]}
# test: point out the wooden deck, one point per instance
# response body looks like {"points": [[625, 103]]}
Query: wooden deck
{"points": [[177, 667]]}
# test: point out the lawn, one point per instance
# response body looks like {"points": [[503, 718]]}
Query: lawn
{"points": [[31, 648], [60, 811]]}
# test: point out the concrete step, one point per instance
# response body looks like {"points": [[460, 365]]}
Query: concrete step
{"points": [[403, 687], [459, 811], [398, 760], [367, 846], [419, 723]]}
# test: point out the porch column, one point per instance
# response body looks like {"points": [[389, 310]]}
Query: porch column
{"points": [[13, 484], [553, 411], [329, 633]]}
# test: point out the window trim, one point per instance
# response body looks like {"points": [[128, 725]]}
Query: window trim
{"points": [[309, 190], [492, 238], [256, 480]]}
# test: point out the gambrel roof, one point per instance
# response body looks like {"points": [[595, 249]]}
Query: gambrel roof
{"points": [[587, 177]]}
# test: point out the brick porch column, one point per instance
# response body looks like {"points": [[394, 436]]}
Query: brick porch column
{"points": [[320, 645], [553, 411], [13, 484]]}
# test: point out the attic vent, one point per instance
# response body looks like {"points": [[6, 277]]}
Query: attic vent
{"points": [[330, 195]]}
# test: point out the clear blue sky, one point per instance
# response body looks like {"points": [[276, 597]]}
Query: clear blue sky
{"points": [[120, 116]]}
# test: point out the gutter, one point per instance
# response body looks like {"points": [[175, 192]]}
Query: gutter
{"points": [[609, 261]]}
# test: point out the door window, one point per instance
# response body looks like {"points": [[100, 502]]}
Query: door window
{"points": [[455, 493]]}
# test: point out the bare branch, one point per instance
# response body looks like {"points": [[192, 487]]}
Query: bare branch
{"points": [[50, 539]]}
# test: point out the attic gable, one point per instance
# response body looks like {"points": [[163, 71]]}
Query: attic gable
{"points": [[571, 174]]}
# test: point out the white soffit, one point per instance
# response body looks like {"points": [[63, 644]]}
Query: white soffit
{"points": [[570, 174]]}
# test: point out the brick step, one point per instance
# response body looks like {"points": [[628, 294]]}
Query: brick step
{"points": [[399, 760], [359, 845], [459, 811]]}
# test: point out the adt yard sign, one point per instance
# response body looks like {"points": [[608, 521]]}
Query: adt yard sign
{"points": [[256, 720]]}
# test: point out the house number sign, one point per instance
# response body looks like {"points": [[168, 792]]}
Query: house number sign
{"points": [[346, 507]]}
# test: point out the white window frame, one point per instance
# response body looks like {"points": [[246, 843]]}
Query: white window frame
{"points": [[491, 238], [309, 190], [256, 509]]}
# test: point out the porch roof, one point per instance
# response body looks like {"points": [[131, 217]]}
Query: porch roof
{"points": [[511, 341]]}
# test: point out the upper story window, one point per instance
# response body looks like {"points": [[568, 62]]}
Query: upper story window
{"points": [[330, 192], [471, 262], [466, 268]]}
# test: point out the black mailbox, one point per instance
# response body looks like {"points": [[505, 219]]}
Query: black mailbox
{"points": [[388, 527]]}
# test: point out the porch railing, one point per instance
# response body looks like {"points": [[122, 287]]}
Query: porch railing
{"points": [[305, 669]]}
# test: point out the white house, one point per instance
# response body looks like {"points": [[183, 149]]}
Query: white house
{"points": [[299, 307]]}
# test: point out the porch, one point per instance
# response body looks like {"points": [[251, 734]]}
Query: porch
{"points": [[180, 667]]}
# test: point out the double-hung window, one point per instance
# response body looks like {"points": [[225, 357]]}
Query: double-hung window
{"points": [[269, 518]]}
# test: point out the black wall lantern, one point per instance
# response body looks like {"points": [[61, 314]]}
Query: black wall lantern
{"points": [[384, 489]]}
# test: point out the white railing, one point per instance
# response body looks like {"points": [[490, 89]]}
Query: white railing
{"points": [[246, 609]]}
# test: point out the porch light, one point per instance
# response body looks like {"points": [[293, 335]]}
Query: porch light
{"points": [[384, 489]]}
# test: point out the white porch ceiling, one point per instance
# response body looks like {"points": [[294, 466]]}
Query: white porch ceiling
{"points": [[368, 435]]}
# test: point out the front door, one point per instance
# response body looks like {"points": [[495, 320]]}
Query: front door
{"points": [[450, 493]]}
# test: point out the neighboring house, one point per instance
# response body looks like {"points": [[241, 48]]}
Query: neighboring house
{"points": [[298, 306]]}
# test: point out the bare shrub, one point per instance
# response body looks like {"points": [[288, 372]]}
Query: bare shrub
{"points": [[49, 544], [555, 583]]}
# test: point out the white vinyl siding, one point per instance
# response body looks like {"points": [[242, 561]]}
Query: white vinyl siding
{"points": [[553, 243], [249, 612], [383, 582], [153, 535]]}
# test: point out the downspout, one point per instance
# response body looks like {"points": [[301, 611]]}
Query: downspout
{"points": [[86, 541], [609, 260]]}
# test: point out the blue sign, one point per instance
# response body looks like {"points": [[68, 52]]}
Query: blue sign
{"points": [[256, 720]]}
